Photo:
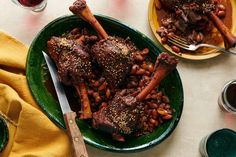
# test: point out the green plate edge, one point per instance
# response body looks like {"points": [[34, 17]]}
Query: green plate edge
{"points": [[3, 134], [51, 107]]}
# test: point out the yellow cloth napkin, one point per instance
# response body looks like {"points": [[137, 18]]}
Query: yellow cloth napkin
{"points": [[31, 133]]}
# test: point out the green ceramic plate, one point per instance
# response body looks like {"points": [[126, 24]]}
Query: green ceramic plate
{"points": [[39, 80], [3, 134]]}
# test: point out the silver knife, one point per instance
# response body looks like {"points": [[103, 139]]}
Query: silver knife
{"points": [[69, 116]]}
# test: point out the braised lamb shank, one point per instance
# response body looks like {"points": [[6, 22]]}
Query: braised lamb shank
{"points": [[74, 66], [121, 116], [72, 61], [191, 12], [113, 55]]}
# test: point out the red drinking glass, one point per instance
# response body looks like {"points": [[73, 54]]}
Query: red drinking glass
{"points": [[34, 5], [227, 98]]}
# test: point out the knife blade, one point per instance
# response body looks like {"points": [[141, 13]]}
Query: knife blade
{"points": [[61, 95], [73, 131]]}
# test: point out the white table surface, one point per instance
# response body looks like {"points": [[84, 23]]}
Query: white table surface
{"points": [[202, 80]]}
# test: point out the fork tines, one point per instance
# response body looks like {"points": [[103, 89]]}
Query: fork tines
{"points": [[178, 41]]}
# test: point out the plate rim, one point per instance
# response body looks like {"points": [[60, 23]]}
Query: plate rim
{"points": [[150, 144]]}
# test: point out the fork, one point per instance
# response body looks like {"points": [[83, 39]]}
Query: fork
{"points": [[184, 44]]}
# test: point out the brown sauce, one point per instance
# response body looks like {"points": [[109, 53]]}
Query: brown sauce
{"points": [[212, 37]]}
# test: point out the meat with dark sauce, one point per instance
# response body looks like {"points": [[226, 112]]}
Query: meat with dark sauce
{"points": [[114, 56], [179, 4], [192, 20], [116, 109], [186, 15], [121, 115], [72, 61]]}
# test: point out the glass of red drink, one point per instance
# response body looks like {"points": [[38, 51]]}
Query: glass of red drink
{"points": [[34, 5], [227, 98]]}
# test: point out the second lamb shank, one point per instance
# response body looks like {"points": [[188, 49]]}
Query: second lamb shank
{"points": [[113, 54], [74, 66], [72, 61], [121, 116]]}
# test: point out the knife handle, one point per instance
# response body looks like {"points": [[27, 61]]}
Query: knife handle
{"points": [[75, 135]]}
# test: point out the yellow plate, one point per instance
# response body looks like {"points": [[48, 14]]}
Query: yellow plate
{"points": [[152, 15]]}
